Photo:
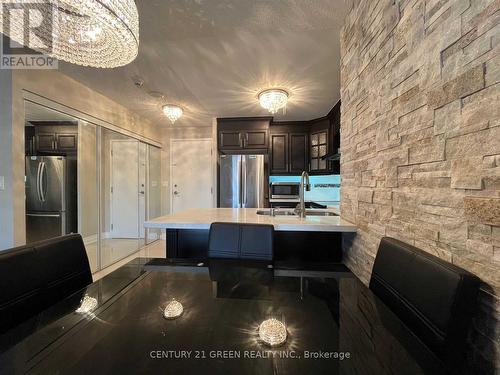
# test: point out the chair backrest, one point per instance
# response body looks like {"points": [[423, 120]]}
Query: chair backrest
{"points": [[434, 298], [241, 252], [241, 241], [35, 276]]}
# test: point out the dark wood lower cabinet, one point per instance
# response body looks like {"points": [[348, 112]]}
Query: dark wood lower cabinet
{"points": [[291, 248]]}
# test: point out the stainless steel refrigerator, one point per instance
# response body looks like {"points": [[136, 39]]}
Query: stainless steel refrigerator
{"points": [[242, 181], [50, 197]]}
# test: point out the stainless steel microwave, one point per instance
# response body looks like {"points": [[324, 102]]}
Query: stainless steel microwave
{"points": [[284, 191]]}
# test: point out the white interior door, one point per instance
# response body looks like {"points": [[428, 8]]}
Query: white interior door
{"points": [[142, 188], [191, 174], [124, 189]]}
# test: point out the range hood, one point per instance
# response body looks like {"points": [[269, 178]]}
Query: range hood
{"points": [[332, 155]]}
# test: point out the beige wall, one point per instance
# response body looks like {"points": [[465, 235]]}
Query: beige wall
{"points": [[420, 140], [56, 87], [6, 144]]}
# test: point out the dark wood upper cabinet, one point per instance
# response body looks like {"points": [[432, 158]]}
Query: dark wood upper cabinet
{"points": [[45, 141], [255, 139], [298, 152], [289, 148], [55, 138], [230, 140], [279, 153], [67, 142], [243, 134], [318, 149]]}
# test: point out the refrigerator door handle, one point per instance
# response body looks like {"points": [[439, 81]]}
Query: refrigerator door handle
{"points": [[38, 174], [244, 180], [240, 178], [43, 183], [44, 215]]}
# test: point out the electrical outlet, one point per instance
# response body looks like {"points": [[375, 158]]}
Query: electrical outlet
{"points": [[2, 183]]}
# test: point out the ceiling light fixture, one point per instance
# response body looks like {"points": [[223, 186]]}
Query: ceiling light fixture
{"points": [[273, 100], [173, 310], [173, 112], [272, 332], [97, 33]]}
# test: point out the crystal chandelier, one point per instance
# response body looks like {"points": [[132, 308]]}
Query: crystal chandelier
{"points": [[273, 100], [173, 112], [97, 33]]}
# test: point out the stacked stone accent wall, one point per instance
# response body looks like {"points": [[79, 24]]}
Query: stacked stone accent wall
{"points": [[420, 141]]}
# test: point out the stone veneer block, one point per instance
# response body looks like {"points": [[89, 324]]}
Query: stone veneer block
{"points": [[483, 210], [465, 84]]}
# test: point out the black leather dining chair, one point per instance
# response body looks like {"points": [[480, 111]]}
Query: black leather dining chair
{"points": [[241, 253], [36, 276], [434, 299]]}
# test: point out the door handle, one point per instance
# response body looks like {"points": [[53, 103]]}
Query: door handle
{"points": [[244, 181], [43, 187], [44, 215], [38, 193], [176, 193]]}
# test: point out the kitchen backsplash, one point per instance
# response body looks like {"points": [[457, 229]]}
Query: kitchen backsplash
{"points": [[323, 188]]}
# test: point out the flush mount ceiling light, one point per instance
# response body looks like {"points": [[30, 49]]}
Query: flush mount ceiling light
{"points": [[173, 310], [97, 33], [272, 332], [173, 112], [273, 100]]}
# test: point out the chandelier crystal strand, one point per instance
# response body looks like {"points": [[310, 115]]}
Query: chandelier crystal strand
{"points": [[97, 33], [273, 100], [173, 112]]}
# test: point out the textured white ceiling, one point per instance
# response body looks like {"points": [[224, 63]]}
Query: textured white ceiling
{"points": [[213, 57]]}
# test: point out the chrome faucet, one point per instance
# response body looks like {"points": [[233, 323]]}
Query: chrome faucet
{"points": [[304, 183]]}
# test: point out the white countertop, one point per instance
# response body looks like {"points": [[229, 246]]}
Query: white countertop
{"points": [[201, 218]]}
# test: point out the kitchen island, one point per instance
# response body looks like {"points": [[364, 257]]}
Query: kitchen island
{"points": [[314, 238]]}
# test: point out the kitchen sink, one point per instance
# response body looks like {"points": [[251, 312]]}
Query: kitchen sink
{"points": [[278, 212]]}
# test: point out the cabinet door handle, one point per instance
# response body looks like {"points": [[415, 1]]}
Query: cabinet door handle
{"points": [[241, 140]]}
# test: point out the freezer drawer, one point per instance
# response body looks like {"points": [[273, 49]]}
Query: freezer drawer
{"points": [[42, 226]]}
